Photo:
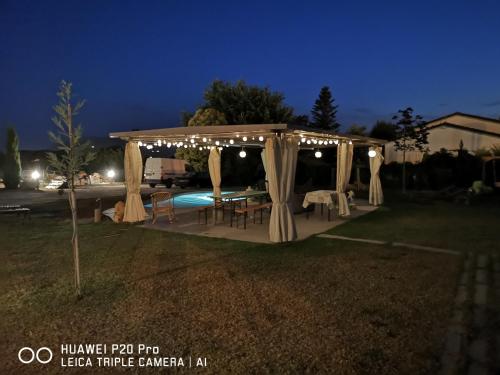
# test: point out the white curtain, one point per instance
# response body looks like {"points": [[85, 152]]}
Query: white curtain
{"points": [[264, 163], [344, 164], [214, 169], [281, 160], [134, 209], [376, 195]]}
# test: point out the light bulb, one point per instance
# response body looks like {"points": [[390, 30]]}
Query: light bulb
{"points": [[244, 139], [261, 138], [318, 154], [372, 153], [243, 154], [231, 141]]}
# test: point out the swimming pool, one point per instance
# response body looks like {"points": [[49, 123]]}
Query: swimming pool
{"points": [[189, 200]]}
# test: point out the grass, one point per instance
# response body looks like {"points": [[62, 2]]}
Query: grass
{"points": [[313, 306], [432, 223]]}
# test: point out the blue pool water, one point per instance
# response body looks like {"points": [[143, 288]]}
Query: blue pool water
{"points": [[190, 200]]}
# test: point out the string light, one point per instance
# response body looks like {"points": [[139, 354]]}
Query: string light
{"points": [[308, 141], [318, 154], [336, 141], [204, 139], [243, 153], [217, 143], [372, 153], [261, 138], [169, 144], [139, 143], [192, 140], [244, 139], [303, 140], [231, 141]]}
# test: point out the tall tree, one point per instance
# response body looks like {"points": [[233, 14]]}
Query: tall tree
{"points": [[411, 135], [246, 104], [73, 155], [12, 163], [324, 112], [198, 159], [384, 130]]}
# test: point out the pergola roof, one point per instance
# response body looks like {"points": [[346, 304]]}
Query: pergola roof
{"points": [[233, 135]]}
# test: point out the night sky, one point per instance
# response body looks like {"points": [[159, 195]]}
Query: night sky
{"points": [[139, 64]]}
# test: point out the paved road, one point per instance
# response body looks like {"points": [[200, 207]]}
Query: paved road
{"points": [[30, 197]]}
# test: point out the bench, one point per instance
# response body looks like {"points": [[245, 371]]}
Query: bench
{"points": [[17, 210], [245, 210]]}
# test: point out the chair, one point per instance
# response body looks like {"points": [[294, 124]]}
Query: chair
{"points": [[254, 208], [168, 208], [219, 205]]}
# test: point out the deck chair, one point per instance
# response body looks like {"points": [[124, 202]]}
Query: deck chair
{"points": [[167, 207]]}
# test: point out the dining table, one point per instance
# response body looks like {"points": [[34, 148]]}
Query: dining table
{"points": [[326, 198]]}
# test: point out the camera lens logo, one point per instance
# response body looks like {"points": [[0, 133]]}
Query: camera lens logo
{"points": [[28, 355]]}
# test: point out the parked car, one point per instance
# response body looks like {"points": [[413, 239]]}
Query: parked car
{"points": [[163, 171]]}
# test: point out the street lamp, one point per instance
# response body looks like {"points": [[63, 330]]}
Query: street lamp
{"points": [[111, 174], [35, 175]]}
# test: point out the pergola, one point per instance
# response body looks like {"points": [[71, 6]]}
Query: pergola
{"points": [[280, 144]]}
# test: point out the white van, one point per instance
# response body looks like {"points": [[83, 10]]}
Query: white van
{"points": [[163, 171]]}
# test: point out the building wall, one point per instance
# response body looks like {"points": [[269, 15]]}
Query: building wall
{"points": [[449, 138]]}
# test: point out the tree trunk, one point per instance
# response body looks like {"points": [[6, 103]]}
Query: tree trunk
{"points": [[74, 240], [404, 171]]}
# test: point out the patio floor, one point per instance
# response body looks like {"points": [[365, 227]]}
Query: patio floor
{"points": [[187, 222]]}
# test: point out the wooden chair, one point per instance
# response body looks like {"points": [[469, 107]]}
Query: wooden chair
{"points": [[244, 212], [219, 205], [168, 208]]}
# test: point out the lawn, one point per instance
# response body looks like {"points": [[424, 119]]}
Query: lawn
{"points": [[437, 223], [314, 306]]}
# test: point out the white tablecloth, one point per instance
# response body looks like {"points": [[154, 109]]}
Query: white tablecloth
{"points": [[327, 197]]}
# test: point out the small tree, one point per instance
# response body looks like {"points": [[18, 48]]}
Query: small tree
{"points": [[411, 135], [324, 112], [198, 159], [12, 163], [72, 156]]}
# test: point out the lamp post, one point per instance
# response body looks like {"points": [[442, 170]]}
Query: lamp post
{"points": [[35, 175]]}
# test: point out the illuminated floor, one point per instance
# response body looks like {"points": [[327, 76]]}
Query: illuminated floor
{"points": [[187, 222]]}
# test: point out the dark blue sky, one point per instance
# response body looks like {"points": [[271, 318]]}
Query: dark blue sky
{"points": [[139, 64]]}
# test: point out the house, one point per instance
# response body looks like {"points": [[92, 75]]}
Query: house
{"points": [[449, 132]]}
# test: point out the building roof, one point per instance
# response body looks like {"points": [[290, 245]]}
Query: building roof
{"points": [[465, 115], [463, 121]]}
